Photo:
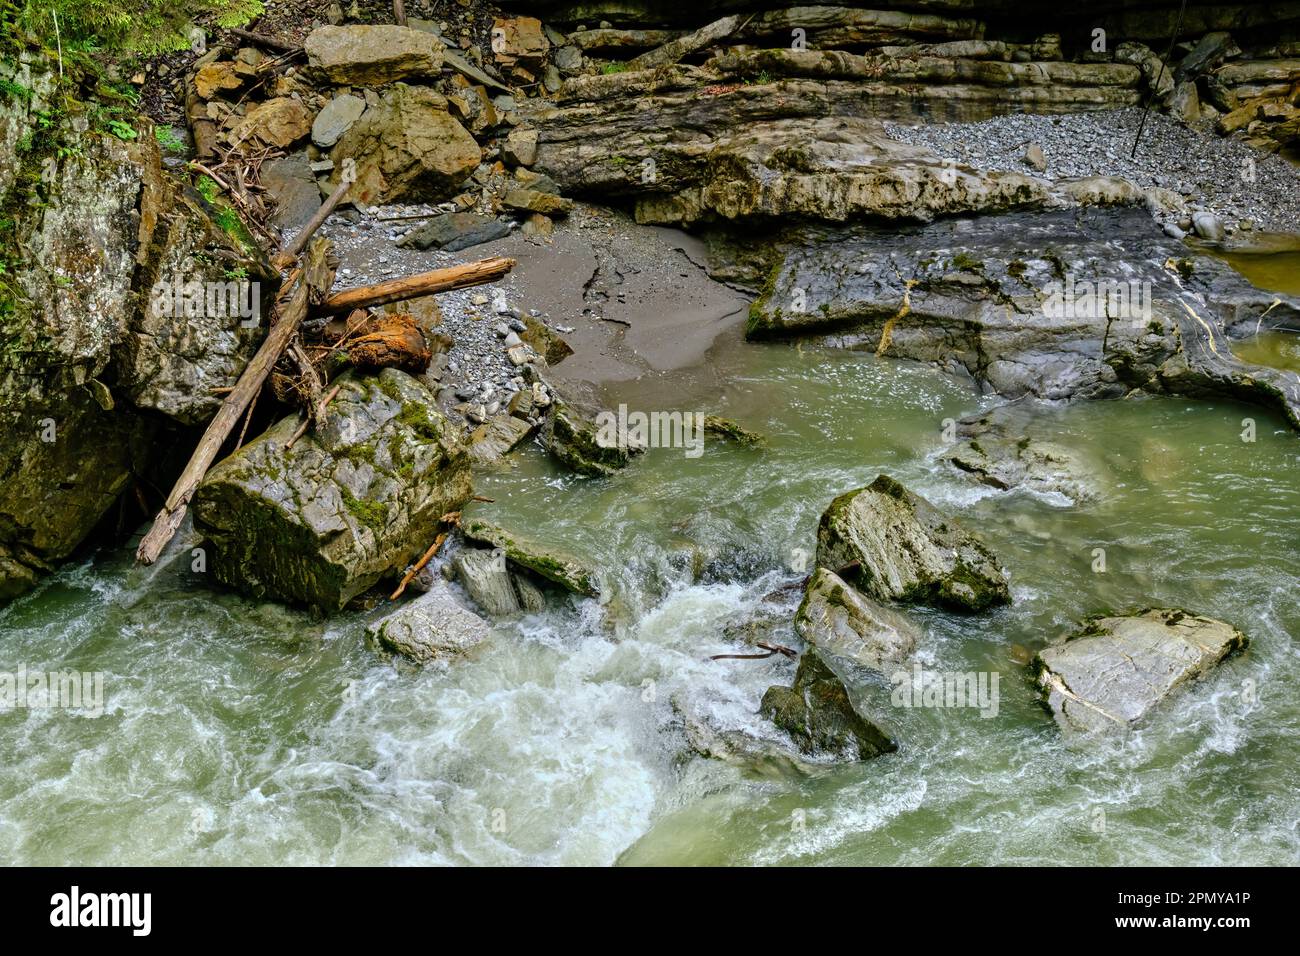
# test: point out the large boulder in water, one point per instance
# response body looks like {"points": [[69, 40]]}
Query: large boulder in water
{"points": [[898, 547], [839, 621], [352, 501], [1113, 670], [819, 716]]}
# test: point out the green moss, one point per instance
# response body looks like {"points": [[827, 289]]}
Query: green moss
{"points": [[374, 514], [967, 263], [759, 321]]}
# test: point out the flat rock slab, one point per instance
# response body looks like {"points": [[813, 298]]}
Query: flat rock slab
{"points": [[1094, 303], [1113, 670], [544, 560], [336, 118], [362, 55], [898, 547], [454, 231]]}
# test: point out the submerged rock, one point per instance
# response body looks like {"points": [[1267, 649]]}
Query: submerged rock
{"points": [[732, 431], [999, 453], [1113, 670], [899, 547], [554, 565], [839, 621], [573, 436], [819, 716], [352, 501], [432, 627]]}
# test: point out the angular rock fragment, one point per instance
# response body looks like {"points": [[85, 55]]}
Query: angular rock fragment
{"points": [[839, 621], [432, 627], [898, 547], [554, 565], [819, 716]]}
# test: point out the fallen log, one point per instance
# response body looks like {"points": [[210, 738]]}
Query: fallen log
{"points": [[262, 39], [412, 287], [291, 307], [674, 50], [291, 252]]}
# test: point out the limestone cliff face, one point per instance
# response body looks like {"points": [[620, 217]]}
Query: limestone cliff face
{"points": [[726, 111], [87, 373]]}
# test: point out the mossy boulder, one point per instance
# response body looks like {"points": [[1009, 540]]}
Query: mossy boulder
{"points": [[896, 546], [1112, 670], [819, 716], [352, 501], [90, 223], [554, 565], [839, 621]]}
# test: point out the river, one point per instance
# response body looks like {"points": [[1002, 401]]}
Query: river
{"points": [[239, 732]]}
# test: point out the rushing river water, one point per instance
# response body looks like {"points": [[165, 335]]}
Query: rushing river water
{"points": [[241, 732]]}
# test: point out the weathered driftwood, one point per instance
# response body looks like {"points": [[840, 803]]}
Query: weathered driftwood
{"points": [[295, 248], [399, 13], [412, 287], [384, 340], [310, 281], [454, 519]]}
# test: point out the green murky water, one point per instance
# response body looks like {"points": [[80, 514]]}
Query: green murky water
{"points": [[238, 732]]}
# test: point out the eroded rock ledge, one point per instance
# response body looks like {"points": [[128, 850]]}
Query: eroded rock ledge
{"points": [[987, 297]]}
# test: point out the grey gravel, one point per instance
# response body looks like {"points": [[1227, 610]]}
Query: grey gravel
{"points": [[1210, 171]]}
